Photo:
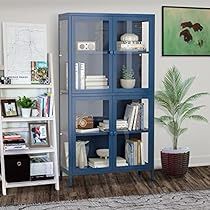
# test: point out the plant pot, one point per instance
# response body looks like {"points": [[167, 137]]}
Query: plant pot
{"points": [[175, 162], [127, 83], [26, 112]]}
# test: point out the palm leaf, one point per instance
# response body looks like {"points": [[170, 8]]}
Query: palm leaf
{"points": [[185, 87], [191, 111], [195, 96], [198, 118]]}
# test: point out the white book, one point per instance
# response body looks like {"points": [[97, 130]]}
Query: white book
{"points": [[97, 87], [82, 75], [95, 77], [135, 117], [131, 117], [90, 130], [77, 76], [96, 83], [98, 166], [142, 153], [122, 164]]}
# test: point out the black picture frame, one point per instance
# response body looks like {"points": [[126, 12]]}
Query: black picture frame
{"points": [[9, 108], [38, 135], [185, 31]]}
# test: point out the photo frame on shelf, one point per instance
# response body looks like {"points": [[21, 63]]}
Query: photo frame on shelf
{"points": [[39, 136], [9, 108], [185, 31]]}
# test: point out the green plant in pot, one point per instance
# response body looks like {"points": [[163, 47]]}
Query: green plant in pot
{"points": [[177, 108], [127, 77], [26, 104]]}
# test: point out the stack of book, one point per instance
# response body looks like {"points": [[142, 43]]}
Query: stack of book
{"points": [[102, 163], [44, 105], [134, 151], [120, 125], [13, 141], [134, 114], [96, 82]]}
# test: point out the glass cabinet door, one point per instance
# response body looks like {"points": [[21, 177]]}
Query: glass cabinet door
{"points": [[131, 50], [91, 128], [91, 60]]}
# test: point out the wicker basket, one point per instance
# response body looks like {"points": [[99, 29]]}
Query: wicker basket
{"points": [[175, 164]]}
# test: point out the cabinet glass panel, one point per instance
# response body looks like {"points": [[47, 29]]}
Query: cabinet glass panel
{"points": [[92, 60], [131, 54], [92, 126], [132, 149], [132, 116]]}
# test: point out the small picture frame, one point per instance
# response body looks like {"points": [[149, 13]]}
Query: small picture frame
{"points": [[38, 135], [9, 108]]}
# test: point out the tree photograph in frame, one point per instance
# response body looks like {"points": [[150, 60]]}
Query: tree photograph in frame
{"points": [[9, 108], [38, 135], [185, 31]]}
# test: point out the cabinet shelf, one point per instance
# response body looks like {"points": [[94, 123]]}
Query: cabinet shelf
{"points": [[25, 86], [89, 52], [132, 132], [23, 119], [30, 151], [30, 183], [130, 52], [100, 133]]}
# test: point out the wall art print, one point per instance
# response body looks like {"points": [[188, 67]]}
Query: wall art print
{"points": [[185, 31]]}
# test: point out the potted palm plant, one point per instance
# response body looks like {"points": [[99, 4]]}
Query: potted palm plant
{"points": [[25, 104], [127, 77], [177, 108]]}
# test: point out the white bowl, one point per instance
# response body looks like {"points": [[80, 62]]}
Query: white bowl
{"points": [[102, 153]]}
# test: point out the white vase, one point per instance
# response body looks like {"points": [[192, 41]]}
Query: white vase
{"points": [[127, 83], [26, 112]]}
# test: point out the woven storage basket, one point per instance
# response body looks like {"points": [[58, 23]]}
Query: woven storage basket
{"points": [[175, 164]]}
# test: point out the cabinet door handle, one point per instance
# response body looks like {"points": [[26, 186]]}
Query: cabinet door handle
{"points": [[111, 52], [111, 133], [115, 133]]}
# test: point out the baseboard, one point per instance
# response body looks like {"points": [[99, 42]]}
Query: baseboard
{"points": [[195, 161]]}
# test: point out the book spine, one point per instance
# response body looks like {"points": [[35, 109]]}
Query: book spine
{"points": [[141, 116], [130, 125], [76, 76], [82, 75]]}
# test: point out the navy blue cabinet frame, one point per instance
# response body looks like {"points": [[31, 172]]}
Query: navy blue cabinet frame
{"points": [[112, 94]]}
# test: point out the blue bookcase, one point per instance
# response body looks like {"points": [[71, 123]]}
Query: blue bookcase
{"points": [[93, 48]]}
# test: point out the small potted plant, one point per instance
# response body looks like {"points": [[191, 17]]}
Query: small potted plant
{"points": [[26, 105], [177, 108], [127, 78]]}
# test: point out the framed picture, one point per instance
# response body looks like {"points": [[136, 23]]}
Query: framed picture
{"points": [[9, 108], [38, 135], [185, 31]]}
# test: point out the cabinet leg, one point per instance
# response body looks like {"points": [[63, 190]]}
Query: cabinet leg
{"points": [[139, 173], [61, 175], [152, 175], [70, 180]]}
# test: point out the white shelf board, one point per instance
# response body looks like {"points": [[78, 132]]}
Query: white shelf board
{"points": [[23, 119], [25, 86], [30, 151], [30, 183]]}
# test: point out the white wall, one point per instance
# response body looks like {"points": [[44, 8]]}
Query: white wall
{"points": [[46, 11]]}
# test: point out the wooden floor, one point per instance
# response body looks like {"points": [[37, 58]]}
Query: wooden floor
{"points": [[94, 186]]}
